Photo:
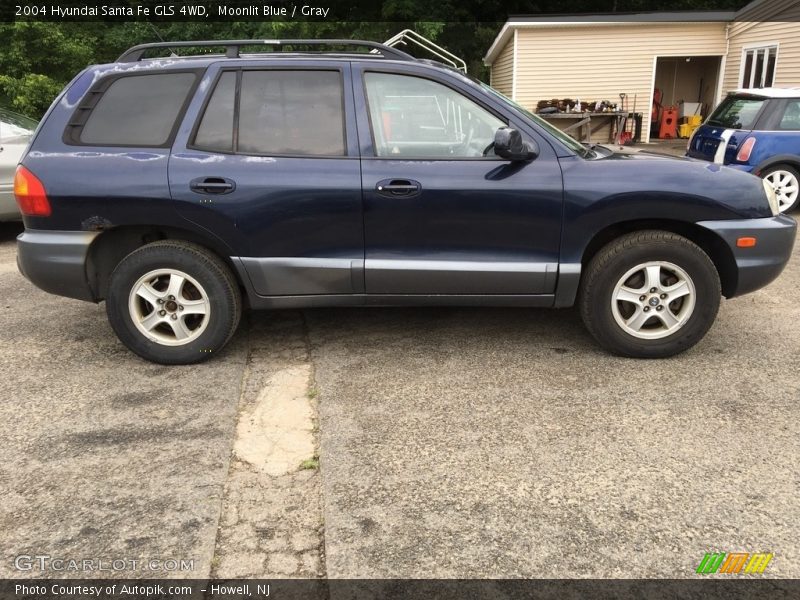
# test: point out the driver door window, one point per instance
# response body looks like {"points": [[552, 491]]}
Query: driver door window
{"points": [[413, 117]]}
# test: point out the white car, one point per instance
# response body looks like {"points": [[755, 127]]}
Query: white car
{"points": [[15, 133]]}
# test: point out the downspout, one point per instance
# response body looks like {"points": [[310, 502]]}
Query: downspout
{"points": [[514, 68], [723, 65]]}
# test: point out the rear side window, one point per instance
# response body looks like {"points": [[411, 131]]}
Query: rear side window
{"points": [[280, 112], [137, 110], [790, 121], [736, 112]]}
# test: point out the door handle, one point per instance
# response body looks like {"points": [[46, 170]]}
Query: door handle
{"points": [[212, 185], [398, 187]]}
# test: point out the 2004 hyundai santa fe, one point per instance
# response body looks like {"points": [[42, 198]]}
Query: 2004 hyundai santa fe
{"points": [[178, 189]]}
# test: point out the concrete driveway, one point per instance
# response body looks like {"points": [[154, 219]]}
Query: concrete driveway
{"points": [[453, 443]]}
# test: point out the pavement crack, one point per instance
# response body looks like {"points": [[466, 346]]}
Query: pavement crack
{"points": [[271, 516], [231, 459]]}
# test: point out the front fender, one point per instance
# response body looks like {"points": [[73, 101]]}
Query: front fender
{"points": [[603, 193]]}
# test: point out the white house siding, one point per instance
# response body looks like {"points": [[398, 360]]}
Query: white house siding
{"points": [[764, 24], [502, 74], [599, 61]]}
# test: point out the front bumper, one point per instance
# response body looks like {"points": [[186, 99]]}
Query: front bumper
{"points": [[55, 261], [761, 264]]}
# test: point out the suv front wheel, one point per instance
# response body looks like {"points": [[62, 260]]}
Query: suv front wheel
{"points": [[650, 294], [173, 302]]}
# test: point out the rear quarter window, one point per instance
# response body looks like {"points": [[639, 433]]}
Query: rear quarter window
{"points": [[790, 120], [132, 110]]}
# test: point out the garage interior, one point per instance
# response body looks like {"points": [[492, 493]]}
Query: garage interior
{"points": [[678, 79]]}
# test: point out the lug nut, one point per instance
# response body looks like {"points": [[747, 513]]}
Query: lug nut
{"points": [[172, 297], [162, 312], [174, 316], [652, 291], [659, 307], [646, 309], [180, 306], [642, 298], [663, 296], [160, 301]]}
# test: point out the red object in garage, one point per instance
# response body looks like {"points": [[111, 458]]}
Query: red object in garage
{"points": [[669, 123], [657, 94]]}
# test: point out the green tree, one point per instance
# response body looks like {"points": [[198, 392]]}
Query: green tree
{"points": [[38, 58]]}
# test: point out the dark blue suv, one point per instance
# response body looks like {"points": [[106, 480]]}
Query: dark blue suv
{"points": [[344, 173]]}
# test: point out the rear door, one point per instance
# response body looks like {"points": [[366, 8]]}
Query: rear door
{"points": [[270, 165]]}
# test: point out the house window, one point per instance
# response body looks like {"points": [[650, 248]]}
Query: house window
{"points": [[759, 67]]}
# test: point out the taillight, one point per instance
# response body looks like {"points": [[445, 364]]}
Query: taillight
{"points": [[746, 149], [30, 194]]}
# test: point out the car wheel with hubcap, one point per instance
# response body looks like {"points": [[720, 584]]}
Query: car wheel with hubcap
{"points": [[785, 180], [173, 302], [649, 294]]}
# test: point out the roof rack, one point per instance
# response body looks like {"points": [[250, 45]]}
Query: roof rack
{"points": [[409, 35], [232, 47]]}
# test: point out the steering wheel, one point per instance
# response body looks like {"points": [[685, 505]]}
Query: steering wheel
{"points": [[487, 149]]}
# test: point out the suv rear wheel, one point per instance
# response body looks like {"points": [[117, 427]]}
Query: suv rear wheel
{"points": [[650, 294], [786, 182], [173, 302]]}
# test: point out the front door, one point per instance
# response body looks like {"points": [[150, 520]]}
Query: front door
{"points": [[442, 214]]}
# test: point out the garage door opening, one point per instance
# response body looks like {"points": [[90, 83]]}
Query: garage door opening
{"points": [[688, 80]]}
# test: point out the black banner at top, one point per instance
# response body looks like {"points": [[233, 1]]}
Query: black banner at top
{"points": [[366, 10]]}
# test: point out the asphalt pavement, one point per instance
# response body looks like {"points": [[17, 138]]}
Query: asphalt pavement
{"points": [[453, 442]]}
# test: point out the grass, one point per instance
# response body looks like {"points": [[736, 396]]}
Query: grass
{"points": [[310, 463]]}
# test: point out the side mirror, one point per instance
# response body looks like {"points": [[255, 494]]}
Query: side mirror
{"points": [[508, 144]]}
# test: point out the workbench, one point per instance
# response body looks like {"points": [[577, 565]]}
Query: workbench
{"points": [[585, 126]]}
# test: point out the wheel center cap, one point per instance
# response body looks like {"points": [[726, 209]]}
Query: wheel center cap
{"points": [[654, 301], [171, 306]]}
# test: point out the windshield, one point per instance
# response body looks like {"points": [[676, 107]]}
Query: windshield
{"points": [[736, 112], [565, 139]]}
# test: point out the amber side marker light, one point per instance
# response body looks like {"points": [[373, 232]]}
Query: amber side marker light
{"points": [[30, 194], [746, 242]]}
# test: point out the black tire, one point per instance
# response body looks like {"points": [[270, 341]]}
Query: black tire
{"points": [[794, 173], [632, 251], [216, 292]]}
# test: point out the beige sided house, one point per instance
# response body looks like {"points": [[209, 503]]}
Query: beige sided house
{"points": [[693, 56]]}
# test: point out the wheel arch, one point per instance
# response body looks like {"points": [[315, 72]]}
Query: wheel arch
{"points": [[792, 160], [713, 245], [115, 243]]}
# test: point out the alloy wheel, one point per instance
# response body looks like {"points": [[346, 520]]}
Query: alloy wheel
{"points": [[786, 188], [653, 300], [169, 307]]}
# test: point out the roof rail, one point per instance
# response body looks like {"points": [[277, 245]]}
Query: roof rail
{"points": [[409, 35], [232, 47]]}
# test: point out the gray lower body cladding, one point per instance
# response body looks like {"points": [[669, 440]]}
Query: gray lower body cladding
{"points": [[55, 261]]}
